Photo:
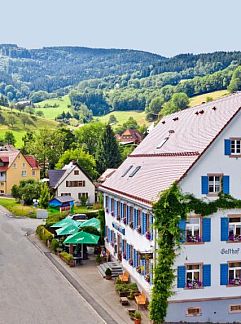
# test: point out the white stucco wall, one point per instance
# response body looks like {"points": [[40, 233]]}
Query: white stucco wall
{"points": [[74, 191], [214, 161], [209, 253]]}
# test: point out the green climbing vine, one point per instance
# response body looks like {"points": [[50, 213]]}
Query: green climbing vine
{"points": [[173, 206]]}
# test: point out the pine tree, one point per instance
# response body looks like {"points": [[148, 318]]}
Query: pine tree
{"points": [[44, 196], [107, 152]]}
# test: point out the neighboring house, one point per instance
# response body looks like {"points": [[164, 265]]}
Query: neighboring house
{"points": [[105, 175], [23, 104], [72, 181], [200, 148], [129, 136], [14, 167]]}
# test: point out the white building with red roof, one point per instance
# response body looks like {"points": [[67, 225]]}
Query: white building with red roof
{"points": [[200, 148]]}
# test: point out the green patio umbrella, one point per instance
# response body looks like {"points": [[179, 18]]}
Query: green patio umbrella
{"points": [[94, 222], [64, 222], [67, 230], [82, 238]]}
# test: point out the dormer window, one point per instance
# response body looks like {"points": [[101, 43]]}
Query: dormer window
{"points": [[134, 171], [162, 142]]}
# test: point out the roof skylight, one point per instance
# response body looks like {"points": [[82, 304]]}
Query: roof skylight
{"points": [[126, 171], [134, 171], [162, 142]]}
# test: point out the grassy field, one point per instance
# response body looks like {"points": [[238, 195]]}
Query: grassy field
{"points": [[17, 209], [203, 98], [49, 111], [123, 116], [18, 128]]}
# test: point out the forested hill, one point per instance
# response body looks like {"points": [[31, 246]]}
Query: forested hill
{"points": [[54, 68]]}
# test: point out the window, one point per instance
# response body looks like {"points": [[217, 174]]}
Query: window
{"points": [[65, 194], [76, 172], [193, 276], [162, 143], [134, 171], [33, 173], [24, 173], [14, 165], [235, 146], [83, 195], [2, 183], [235, 308], [125, 173], [75, 183], [234, 228], [24, 165], [214, 183], [193, 311], [2, 174], [234, 273], [112, 205], [193, 229]]}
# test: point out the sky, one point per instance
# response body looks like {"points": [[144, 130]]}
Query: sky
{"points": [[165, 27]]}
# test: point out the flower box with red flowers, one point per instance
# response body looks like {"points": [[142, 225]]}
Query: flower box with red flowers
{"points": [[148, 235]]}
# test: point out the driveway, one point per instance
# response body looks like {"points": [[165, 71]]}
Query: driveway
{"points": [[32, 290]]}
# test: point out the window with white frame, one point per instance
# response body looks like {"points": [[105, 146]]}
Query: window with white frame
{"points": [[234, 228], [235, 308], [24, 173], [193, 276], [193, 229], [214, 183], [234, 273], [235, 146]]}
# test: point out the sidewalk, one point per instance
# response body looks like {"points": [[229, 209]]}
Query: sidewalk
{"points": [[101, 291]]}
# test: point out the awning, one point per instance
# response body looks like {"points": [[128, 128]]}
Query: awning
{"points": [[94, 222], [67, 230], [64, 222], [82, 238]]}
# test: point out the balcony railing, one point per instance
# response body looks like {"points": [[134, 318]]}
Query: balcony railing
{"points": [[193, 238], [234, 238], [235, 282]]}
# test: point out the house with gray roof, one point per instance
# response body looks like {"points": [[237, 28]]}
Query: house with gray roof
{"points": [[72, 181]]}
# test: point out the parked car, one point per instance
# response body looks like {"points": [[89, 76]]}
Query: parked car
{"points": [[79, 217]]}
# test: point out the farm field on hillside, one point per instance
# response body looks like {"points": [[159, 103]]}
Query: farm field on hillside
{"points": [[197, 100], [123, 116], [51, 112]]}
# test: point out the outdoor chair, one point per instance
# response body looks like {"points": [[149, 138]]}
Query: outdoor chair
{"points": [[141, 300], [124, 277]]}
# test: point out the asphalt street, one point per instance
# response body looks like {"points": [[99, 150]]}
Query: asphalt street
{"points": [[32, 290]]}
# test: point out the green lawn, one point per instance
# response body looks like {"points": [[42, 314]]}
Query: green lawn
{"points": [[16, 208], [51, 112], [123, 116], [197, 100]]}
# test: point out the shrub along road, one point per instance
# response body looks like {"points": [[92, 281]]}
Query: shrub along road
{"points": [[32, 289]]}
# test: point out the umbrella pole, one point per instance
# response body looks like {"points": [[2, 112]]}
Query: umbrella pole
{"points": [[82, 251]]}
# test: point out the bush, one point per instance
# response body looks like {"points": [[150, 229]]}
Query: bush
{"points": [[108, 272], [54, 245], [66, 256], [137, 315], [44, 234]]}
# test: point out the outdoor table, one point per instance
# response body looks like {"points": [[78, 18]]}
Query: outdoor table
{"points": [[124, 301], [77, 260]]}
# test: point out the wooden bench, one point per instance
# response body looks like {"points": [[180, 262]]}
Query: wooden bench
{"points": [[124, 277], [141, 300], [124, 301]]}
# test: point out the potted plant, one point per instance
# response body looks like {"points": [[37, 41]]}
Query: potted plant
{"points": [[137, 317], [108, 274], [148, 235]]}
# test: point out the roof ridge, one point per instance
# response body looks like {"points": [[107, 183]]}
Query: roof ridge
{"points": [[166, 154]]}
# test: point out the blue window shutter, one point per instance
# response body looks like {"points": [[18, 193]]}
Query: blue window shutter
{"points": [[151, 226], [135, 259], [224, 274], [181, 276], [224, 228], [127, 214], [204, 181], [144, 222], [144, 265], [207, 275], [135, 218], [182, 226], [127, 251], [115, 208], [227, 147], [206, 229], [226, 184]]}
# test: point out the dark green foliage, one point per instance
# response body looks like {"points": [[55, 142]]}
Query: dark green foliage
{"points": [[54, 245], [108, 272], [9, 138], [107, 152], [178, 102], [101, 217], [235, 83], [27, 191]]}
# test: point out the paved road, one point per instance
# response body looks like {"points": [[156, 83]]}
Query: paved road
{"points": [[32, 291]]}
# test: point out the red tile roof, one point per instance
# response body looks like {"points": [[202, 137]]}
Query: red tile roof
{"points": [[4, 159], [32, 161], [189, 133]]}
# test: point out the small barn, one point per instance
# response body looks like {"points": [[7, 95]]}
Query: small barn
{"points": [[63, 203]]}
